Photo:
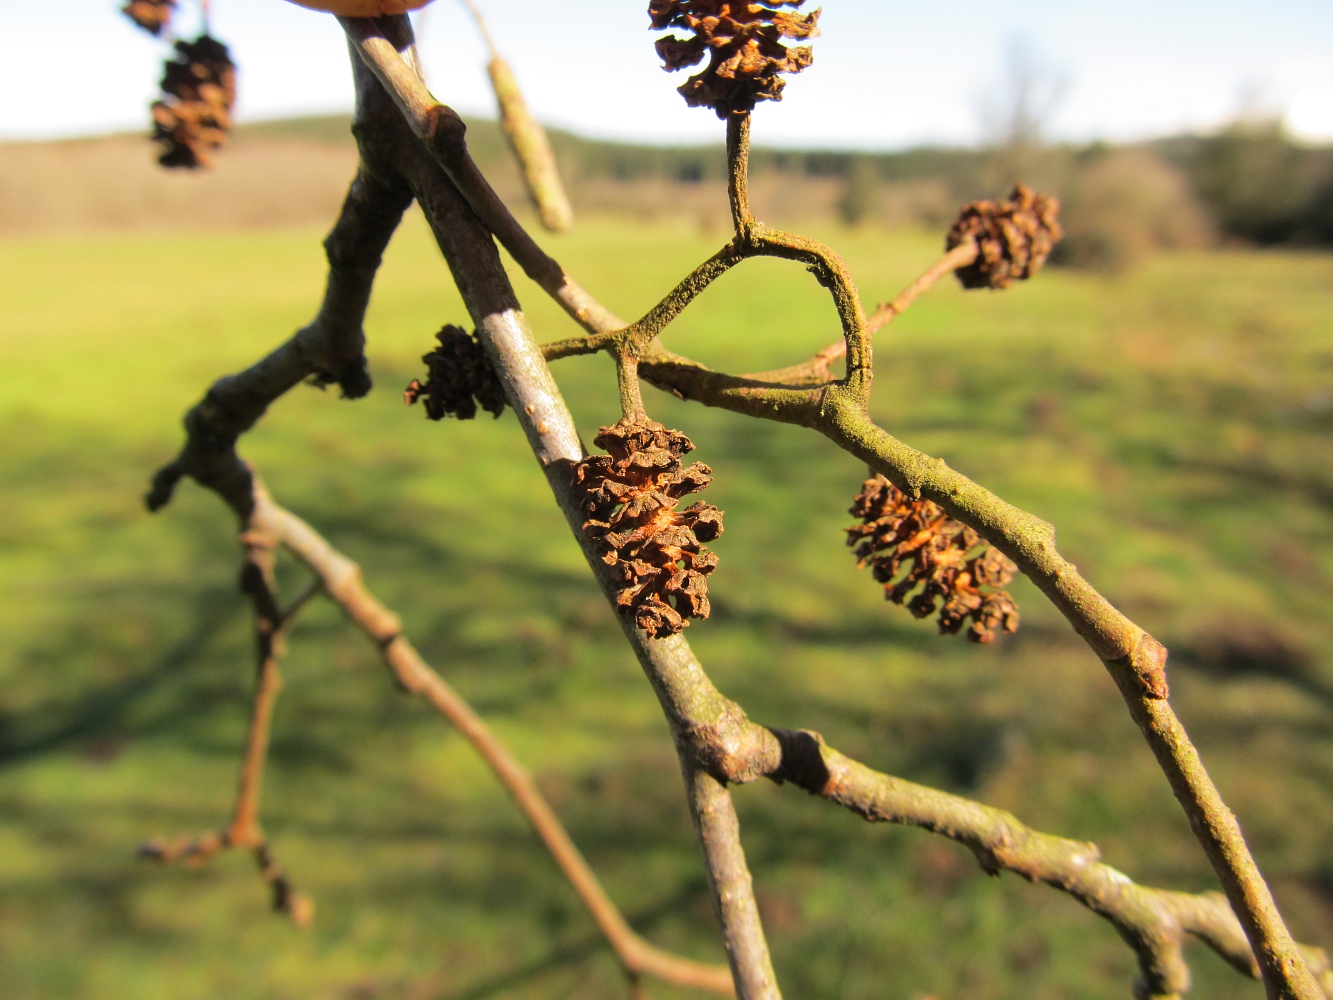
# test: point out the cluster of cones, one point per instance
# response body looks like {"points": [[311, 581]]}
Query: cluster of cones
{"points": [[927, 561], [744, 45], [631, 499]]}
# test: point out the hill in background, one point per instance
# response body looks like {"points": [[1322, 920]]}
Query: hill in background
{"points": [[1247, 184]]}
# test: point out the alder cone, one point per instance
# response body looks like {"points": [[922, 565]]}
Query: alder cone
{"points": [[362, 8], [154, 16], [655, 548], [932, 564], [745, 46], [1013, 237], [193, 117], [460, 378]]}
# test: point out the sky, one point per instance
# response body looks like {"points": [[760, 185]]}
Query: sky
{"points": [[886, 74]]}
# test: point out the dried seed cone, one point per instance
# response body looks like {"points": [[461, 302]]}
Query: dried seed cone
{"points": [[1013, 237], [631, 499], [948, 566], [532, 150], [193, 117], [154, 16], [744, 45], [459, 379]]}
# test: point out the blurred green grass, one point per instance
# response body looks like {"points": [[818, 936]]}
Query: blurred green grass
{"points": [[1173, 422]]}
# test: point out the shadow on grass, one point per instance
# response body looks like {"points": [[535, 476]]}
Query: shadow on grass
{"points": [[1241, 649], [566, 955], [103, 712]]}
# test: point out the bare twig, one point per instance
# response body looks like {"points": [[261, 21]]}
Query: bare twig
{"points": [[754, 239], [331, 349], [818, 369], [232, 407], [738, 171], [960, 256], [341, 579], [311, 590], [381, 44], [480, 22], [527, 139], [1152, 921], [259, 541], [541, 410], [733, 890], [1135, 660]]}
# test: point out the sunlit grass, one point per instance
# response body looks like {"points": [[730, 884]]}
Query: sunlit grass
{"points": [[1174, 423]]}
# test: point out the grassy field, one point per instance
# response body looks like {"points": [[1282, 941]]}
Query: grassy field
{"points": [[1173, 422]]}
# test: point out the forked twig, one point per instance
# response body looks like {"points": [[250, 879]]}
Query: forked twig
{"points": [[1133, 657], [341, 579], [244, 832], [818, 369], [334, 341]]}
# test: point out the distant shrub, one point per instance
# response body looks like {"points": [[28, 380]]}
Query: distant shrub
{"points": [[860, 192], [1263, 188], [1120, 204]]}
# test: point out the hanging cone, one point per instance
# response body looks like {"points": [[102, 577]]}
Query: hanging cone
{"points": [[193, 117]]}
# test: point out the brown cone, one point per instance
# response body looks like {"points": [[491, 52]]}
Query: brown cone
{"points": [[948, 566], [744, 45], [154, 16], [1013, 237], [193, 117], [656, 551], [460, 378]]}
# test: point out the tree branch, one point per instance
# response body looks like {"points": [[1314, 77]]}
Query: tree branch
{"points": [[536, 400], [341, 580], [381, 43], [738, 171], [1152, 921], [259, 542], [388, 162], [817, 369], [733, 890], [1135, 660], [330, 350]]}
